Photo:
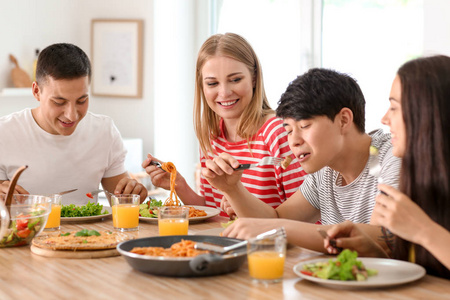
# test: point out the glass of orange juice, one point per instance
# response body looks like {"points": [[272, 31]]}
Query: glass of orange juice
{"points": [[173, 220], [266, 256], [125, 212], [54, 218]]}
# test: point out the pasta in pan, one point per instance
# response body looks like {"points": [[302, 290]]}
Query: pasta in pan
{"points": [[185, 248]]}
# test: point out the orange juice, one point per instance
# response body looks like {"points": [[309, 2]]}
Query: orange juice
{"points": [[266, 265], [54, 218], [173, 226], [125, 216]]}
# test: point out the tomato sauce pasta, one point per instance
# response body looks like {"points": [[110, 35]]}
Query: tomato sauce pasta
{"points": [[173, 198], [185, 248]]}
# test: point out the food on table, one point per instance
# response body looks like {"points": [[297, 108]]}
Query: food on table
{"points": [[90, 209], [226, 224], [185, 248], [194, 212], [23, 228], [84, 239], [286, 162], [345, 267], [149, 209]]}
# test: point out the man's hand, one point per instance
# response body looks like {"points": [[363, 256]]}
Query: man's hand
{"points": [[4, 185]]}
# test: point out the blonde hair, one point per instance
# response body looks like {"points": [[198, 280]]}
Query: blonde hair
{"points": [[206, 121]]}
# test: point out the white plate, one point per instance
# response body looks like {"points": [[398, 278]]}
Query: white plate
{"points": [[90, 218], [210, 212], [390, 272]]}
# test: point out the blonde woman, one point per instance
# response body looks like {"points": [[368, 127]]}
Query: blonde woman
{"points": [[232, 115]]}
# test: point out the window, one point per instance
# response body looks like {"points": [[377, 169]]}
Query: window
{"points": [[370, 40], [367, 39], [273, 28]]}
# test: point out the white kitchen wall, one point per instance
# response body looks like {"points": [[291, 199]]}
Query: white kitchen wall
{"points": [[163, 117]]}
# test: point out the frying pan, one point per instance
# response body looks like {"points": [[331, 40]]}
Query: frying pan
{"points": [[202, 265]]}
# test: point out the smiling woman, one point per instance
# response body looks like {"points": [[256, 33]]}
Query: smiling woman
{"points": [[232, 115]]}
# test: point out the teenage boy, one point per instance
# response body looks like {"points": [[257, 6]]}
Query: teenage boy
{"points": [[64, 145], [323, 113]]}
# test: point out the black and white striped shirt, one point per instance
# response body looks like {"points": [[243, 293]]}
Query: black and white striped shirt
{"points": [[354, 201]]}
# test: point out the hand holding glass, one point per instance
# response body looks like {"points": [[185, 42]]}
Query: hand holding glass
{"points": [[173, 220], [125, 212]]}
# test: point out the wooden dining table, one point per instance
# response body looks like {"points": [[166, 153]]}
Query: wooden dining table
{"points": [[25, 275]]}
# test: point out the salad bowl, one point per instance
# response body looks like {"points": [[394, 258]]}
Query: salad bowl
{"points": [[28, 215]]}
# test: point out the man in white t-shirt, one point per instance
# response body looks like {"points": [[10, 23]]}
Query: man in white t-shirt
{"points": [[65, 146], [323, 113]]}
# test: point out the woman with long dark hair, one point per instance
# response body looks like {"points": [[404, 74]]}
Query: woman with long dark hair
{"points": [[418, 214]]}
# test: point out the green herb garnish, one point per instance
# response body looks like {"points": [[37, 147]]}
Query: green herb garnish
{"points": [[86, 232]]}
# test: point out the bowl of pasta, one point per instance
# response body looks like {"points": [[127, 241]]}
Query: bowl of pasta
{"points": [[176, 256]]}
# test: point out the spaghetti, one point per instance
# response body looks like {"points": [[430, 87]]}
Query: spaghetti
{"points": [[193, 212], [185, 248], [170, 168]]}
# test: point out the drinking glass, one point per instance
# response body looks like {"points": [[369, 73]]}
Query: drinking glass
{"points": [[125, 212], [266, 256], [173, 220], [54, 218]]}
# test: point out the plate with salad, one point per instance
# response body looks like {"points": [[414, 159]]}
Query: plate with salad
{"points": [[148, 211], [88, 212], [350, 272]]}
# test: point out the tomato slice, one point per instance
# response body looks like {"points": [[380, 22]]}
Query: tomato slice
{"points": [[306, 272], [90, 195], [21, 223], [24, 233]]}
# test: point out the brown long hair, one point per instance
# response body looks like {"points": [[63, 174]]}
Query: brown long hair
{"points": [[425, 172], [206, 121]]}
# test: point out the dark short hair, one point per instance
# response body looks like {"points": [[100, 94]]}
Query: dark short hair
{"points": [[322, 92], [62, 61]]}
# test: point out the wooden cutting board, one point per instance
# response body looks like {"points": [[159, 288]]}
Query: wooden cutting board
{"points": [[82, 254], [19, 77]]}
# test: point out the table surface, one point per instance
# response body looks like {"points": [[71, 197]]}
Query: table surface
{"points": [[27, 275]]}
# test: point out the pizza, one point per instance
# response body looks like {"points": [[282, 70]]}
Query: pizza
{"points": [[81, 240]]}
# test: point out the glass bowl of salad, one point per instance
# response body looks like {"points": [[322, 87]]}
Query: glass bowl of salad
{"points": [[27, 218]]}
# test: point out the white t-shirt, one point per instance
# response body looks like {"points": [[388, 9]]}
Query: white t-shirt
{"points": [[57, 163], [355, 201]]}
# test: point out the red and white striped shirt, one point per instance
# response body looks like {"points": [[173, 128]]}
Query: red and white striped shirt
{"points": [[271, 184]]}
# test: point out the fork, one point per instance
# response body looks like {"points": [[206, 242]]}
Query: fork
{"points": [[268, 160], [374, 165], [157, 164], [96, 192], [280, 231]]}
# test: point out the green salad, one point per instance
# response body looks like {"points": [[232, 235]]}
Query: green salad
{"points": [[149, 209], [345, 267], [90, 209]]}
